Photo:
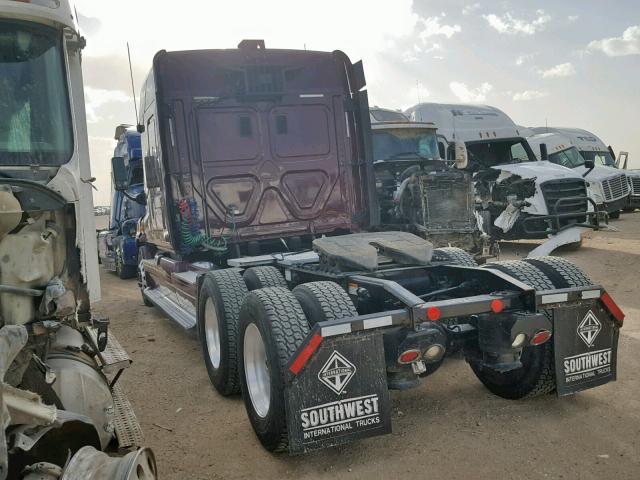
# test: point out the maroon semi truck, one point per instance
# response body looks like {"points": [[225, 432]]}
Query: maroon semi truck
{"points": [[262, 233]]}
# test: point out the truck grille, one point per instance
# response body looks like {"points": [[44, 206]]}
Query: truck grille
{"points": [[635, 183], [554, 190], [447, 202], [615, 188]]}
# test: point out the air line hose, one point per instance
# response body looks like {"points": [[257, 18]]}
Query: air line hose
{"points": [[190, 236]]}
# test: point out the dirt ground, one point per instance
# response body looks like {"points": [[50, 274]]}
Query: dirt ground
{"points": [[450, 427]]}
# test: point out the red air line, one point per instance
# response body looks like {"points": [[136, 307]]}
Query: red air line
{"points": [[306, 354]]}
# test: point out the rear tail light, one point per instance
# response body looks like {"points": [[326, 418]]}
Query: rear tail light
{"points": [[540, 337], [409, 356], [497, 306], [433, 313], [613, 307]]}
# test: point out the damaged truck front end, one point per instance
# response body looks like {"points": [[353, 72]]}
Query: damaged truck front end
{"points": [[60, 403], [534, 201], [420, 192]]}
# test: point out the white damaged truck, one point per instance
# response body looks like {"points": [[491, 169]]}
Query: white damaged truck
{"points": [[607, 186], [61, 406], [519, 197]]}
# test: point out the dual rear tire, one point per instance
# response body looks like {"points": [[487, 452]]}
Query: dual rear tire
{"points": [[537, 374], [249, 335], [274, 322]]}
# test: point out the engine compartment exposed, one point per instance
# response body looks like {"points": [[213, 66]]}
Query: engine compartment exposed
{"points": [[431, 199]]}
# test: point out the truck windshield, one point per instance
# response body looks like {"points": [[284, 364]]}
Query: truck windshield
{"points": [[35, 125], [409, 143], [569, 158], [600, 158], [484, 154]]}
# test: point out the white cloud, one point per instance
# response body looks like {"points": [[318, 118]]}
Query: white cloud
{"points": [[469, 9], [525, 57], [572, 18], [96, 98], [433, 27], [411, 55], [561, 70], [528, 95], [510, 25], [627, 44], [467, 94]]}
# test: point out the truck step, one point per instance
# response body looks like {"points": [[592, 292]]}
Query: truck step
{"points": [[127, 428], [114, 357], [183, 317]]}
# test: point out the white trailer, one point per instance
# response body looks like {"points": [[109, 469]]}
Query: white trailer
{"points": [[60, 403], [519, 197]]}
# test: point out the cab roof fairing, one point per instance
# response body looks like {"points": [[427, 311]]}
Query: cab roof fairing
{"points": [[582, 139], [466, 122], [57, 13]]}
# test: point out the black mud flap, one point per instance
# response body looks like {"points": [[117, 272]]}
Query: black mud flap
{"points": [[341, 394], [586, 347]]}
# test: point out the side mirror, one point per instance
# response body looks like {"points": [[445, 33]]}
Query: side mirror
{"points": [[544, 154], [589, 165], [462, 159], [120, 174], [141, 198]]}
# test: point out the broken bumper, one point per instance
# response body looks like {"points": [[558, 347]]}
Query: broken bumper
{"points": [[616, 205], [634, 201], [541, 226]]}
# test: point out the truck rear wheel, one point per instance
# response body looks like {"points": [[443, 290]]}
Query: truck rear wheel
{"points": [[219, 301], [453, 255], [561, 272], [272, 327], [537, 374], [263, 277], [322, 301]]}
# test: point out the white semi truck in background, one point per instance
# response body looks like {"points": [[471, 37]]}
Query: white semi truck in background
{"points": [[608, 187], [61, 405], [591, 147], [518, 196]]}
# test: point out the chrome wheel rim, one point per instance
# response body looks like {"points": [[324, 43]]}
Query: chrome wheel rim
{"points": [[212, 332], [257, 371]]}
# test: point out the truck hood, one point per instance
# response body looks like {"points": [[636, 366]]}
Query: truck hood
{"points": [[542, 170], [631, 173], [599, 173]]}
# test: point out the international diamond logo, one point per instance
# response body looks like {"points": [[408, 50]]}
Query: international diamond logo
{"points": [[337, 372], [589, 328]]}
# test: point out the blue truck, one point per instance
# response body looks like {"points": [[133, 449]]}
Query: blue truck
{"points": [[117, 249]]}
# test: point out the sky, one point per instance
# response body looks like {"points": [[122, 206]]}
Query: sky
{"points": [[570, 64]]}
